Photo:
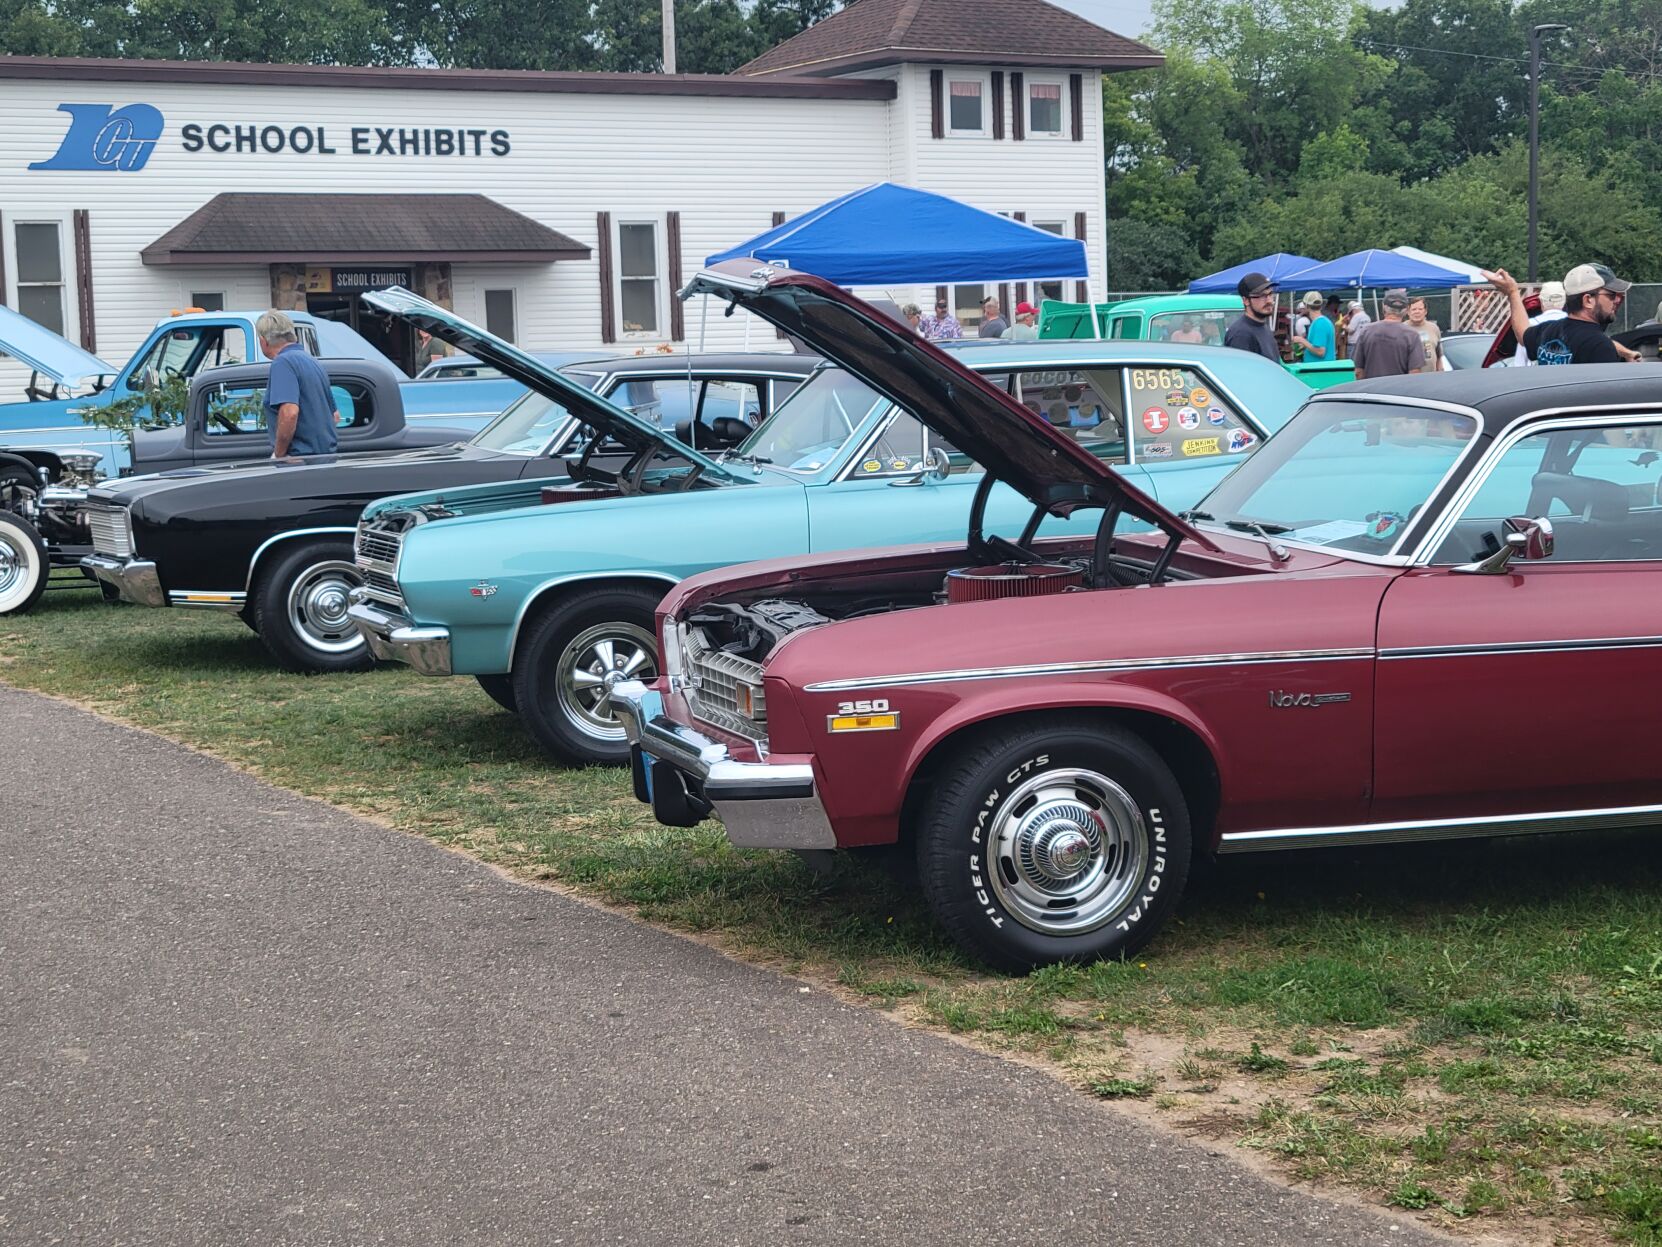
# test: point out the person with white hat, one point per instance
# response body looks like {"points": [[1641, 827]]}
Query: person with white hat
{"points": [[1592, 297], [1319, 338]]}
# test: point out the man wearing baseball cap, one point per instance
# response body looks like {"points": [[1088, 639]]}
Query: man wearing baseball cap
{"points": [[1026, 328], [1319, 339], [1254, 329], [1592, 297], [1390, 348]]}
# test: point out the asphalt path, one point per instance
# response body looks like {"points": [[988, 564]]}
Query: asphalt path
{"points": [[232, 1015]]}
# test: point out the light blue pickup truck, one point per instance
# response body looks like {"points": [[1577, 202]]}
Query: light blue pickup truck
{"points": [[65, 379], [545, 590]]}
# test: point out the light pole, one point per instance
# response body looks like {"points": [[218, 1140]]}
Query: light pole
{"points": [[1535, 129], [669, 36]]}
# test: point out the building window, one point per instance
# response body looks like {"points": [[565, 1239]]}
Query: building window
{"points": [[967, 105], [208, 300], [966, 306], [499, 314], [1044, 108], [40, 286], [1051, 289], [638, 276]]}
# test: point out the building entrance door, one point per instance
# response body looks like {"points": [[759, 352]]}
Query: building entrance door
{"points": [[393, 338]]}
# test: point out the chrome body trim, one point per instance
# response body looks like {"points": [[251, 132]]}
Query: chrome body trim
{"points": [[134, 580], [1567, 645], [254, 560], [1090, 668], [202, 599], [393, 637], [1552, 420], [763, 805], [1441, 829]]}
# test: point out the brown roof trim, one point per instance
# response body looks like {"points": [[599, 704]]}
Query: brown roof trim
{"points": [[937, 56], [152, 256], [97, 69]]}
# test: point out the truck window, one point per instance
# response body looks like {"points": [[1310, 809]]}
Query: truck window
{"points": [[188, 349]]}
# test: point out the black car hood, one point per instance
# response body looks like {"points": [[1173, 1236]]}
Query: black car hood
{"points": [[992, 428], [629, 430], [128, 489]]}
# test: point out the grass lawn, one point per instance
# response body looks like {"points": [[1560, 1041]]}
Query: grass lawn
{"points": [[1473, 1030]]}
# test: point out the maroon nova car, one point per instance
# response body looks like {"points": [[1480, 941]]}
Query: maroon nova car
{"points": [[1429, 607]]}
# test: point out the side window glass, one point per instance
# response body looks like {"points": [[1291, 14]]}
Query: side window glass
{"points": [[1083, 403], [234, 411], [1127, 327], [1190, 328], [736, 400], [1600, 487], [897, 451], [354, 405], [1176, 415]]}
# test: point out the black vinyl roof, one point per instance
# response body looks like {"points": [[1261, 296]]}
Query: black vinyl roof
{"points": [[1504, 395]]}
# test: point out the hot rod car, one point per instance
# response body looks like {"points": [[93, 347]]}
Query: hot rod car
{"points": [[1340, 645]]}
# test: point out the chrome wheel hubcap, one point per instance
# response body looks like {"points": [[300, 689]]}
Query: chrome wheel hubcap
{"points": [[595, 662], [14, 566], [317, 607], [1069, 850]]}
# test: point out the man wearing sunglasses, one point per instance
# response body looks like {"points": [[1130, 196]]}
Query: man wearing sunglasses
{"points": [[1254, 329], [1592, 297]]}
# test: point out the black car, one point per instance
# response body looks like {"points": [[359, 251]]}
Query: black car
{"points": [[47, 534], [272, 542]]}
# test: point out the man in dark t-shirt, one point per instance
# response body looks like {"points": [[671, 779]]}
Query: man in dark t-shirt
{"points": [[1254, 329], [1592, 297], [299, 408], [1390, 347]]}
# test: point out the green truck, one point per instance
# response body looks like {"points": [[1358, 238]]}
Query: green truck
{"points": [[1174, 317]]}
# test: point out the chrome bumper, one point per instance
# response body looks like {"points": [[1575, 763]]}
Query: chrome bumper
{"points": [[393, 637], [685, 777], [134, 579]]}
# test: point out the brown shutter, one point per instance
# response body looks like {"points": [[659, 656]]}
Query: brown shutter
{"points": [[1018, 108], [998, 103], [83, 278], [941, 296], [1005, 307], [778, 220], [1081, 290], [1021, 286], [608, 310], [677, 322], [937, 104], [1076, 93]]}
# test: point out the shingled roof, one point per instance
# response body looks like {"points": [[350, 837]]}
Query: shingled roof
{"points": [[357, 229], [867, 33]]}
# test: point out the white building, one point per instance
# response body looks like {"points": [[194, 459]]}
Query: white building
{"points": [[559, 210]]}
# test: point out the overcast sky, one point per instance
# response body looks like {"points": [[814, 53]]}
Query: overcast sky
{"points": [[1131, 17]]}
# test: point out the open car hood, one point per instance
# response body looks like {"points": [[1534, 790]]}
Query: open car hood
{"points": [[46, 352], [630, 430], [1052, 470]]}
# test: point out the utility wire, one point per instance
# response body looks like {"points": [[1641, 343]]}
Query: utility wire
{"points": [[1591, 72]]}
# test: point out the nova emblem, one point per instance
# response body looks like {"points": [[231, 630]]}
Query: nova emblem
{"points": [[1282, 700], [484, 589]]}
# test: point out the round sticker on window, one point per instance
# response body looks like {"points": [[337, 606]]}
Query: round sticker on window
{"points": [[1188, 418], [1217, 415], [1156, 421], [1199, 397], [871, 465]]}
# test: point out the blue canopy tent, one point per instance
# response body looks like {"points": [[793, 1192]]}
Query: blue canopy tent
{"points": [[895, 235], [1373, 269], [1275, 267]]}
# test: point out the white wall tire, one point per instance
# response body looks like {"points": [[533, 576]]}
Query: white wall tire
{"points": [[23, 564]]}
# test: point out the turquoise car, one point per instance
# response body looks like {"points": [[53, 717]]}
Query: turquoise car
{"points": [[545, 591]]}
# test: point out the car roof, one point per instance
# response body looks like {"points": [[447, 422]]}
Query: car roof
{"points": [[734, 361], [1503, 395], [980, 354]]}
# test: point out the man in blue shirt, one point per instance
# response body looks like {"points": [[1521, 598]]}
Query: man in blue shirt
{"points": [[300, 411], [1320, 340]]}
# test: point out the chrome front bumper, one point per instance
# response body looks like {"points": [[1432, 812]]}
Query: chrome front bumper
{"points": [[685, 777], [135, 580], [393, 637]]}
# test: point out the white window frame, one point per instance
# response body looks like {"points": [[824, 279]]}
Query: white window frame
{"points": [[985, 80], [1049, 80], [485, 307], [1061, 231], [660, 264], [66, 269], [193, 301]]}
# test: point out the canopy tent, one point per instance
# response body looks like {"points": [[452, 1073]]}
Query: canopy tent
{"points": [[1275, 267], [1474, 274], [1372, 269], [894, 235]]}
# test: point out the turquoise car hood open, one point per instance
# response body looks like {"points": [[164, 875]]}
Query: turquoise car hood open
{"points": [[630, 430], [47, 353]]}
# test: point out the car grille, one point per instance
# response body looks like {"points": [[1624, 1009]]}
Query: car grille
{"points": [[112, 531], [713, 680], [377, 551]]}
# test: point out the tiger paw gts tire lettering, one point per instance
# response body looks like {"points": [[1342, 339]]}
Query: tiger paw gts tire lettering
{"points": [[1041, 845]]}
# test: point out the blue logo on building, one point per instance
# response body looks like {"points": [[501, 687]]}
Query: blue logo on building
{"points": [[102, 136]]}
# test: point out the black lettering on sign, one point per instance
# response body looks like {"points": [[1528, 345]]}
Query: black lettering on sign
{"points": [[409, 142], [191, 136], [499, 142], [245, 139], [383, 141], [219, 138], [323, 148], [300, 139], [444, 143], [271, 138], [360, 140], [477, 136]]}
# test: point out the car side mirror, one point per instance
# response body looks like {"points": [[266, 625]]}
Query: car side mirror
{"points": [[1523, 538], [934, 469]]}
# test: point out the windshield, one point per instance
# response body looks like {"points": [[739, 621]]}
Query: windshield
{"points": [[1347, 476], [528, 422], [811, 428]]}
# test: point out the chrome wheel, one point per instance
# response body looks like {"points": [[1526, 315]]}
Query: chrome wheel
{"points": [[592, 664], [1069, 849], [317, 603], [16, 563]]}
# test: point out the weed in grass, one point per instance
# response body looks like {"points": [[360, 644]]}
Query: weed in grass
{"points": [[1413, 1194], [1304, 1045], [1120, 1088], [1258, 1061], [1433, 1145]]}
